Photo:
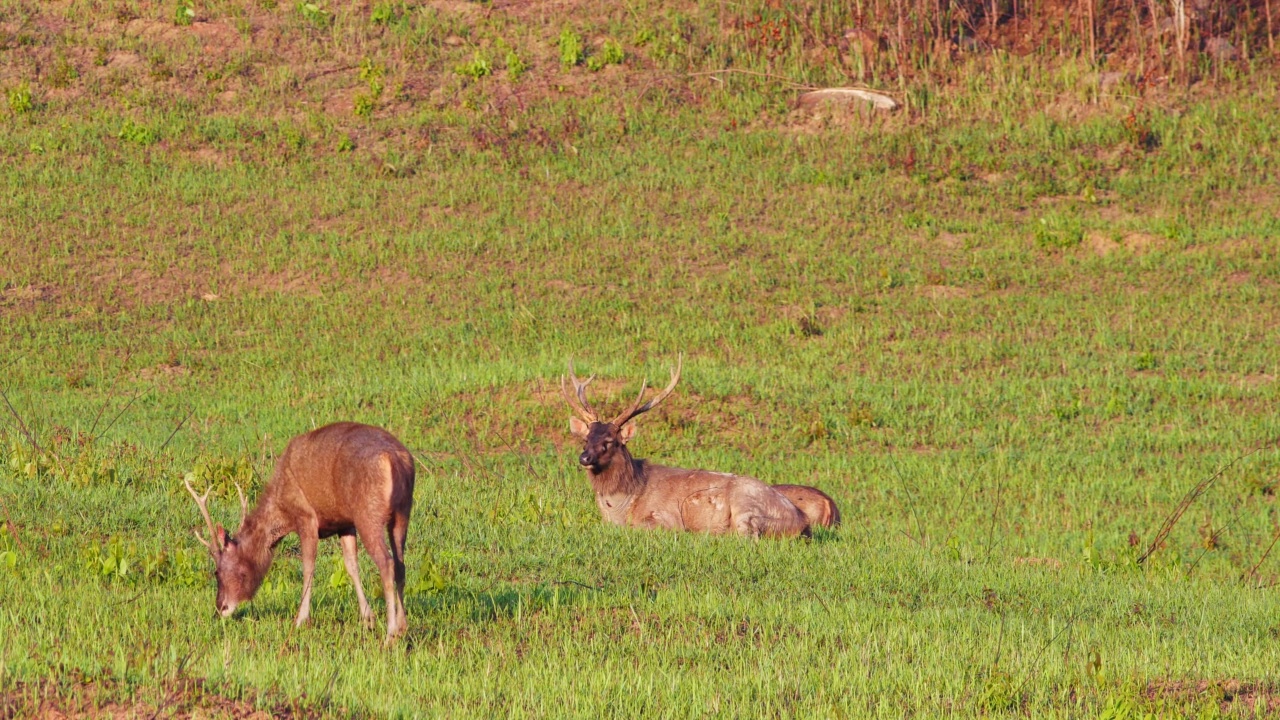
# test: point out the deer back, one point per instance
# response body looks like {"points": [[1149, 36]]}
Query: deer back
{"points": [[705, 501], [347, 474], [816, 505]]}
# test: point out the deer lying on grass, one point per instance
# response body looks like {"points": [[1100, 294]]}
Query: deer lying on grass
{"points": [[816, 505], [343, 479], [640, 494]]}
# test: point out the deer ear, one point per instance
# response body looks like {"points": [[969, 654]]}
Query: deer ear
{"points": [[220, 537], [627, 432], [578, 427]]}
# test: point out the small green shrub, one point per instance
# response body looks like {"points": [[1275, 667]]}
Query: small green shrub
{"points": [[1058, 233], [138, 134], [371, 73], [63, 74], [184, 13], [363, 105], [23, 460], [386, 13], [120, 562], [292, 138], [21, 100], [1144, 362], [476, 68], [315, 15], [430, 578], [571, 48], [612, 52], [222, 474], [515, 66]]}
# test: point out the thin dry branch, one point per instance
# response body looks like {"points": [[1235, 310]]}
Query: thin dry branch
{"points": [[13, 529], [123, 410], [1201, 488], [179, 427], [111, 393], [1035, 663], [1253, 571], [22, 425]]}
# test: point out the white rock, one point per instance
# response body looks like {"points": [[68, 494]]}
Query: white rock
{"points": [[845, 96]]}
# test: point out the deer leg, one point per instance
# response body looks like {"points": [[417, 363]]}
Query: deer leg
{"points": [[756, 526], [377, 549], [752, 526], [348, 542], [308, 541], [399, 532]]}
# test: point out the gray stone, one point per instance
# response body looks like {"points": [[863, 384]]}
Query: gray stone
{"points": [[839, 97]]}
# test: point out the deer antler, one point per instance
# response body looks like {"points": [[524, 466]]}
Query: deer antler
{"points": [[637, 409], [244, 504], [202, 502], [579, 404]]}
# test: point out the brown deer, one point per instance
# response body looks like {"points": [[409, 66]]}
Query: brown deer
{"points": [[343, 479], [640, 494], [815, 504]]}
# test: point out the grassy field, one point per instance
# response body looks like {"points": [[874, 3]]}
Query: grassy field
{"points": [[1007, 327]]}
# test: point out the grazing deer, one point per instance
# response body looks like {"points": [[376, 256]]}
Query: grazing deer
{"points": [[640, 494], [815, 504], [343, 479]]}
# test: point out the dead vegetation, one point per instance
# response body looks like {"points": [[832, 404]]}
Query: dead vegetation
{"points": [[241, 53], [185, 697], [1230, 695]]}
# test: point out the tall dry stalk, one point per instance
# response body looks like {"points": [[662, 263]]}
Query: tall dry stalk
{"points": [[1154, 9], [902, 45], [1180, 33], [1271, 38], [1093, 37]]}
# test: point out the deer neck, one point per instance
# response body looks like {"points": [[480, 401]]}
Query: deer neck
{"points": [[624, 477], [257, 537]]}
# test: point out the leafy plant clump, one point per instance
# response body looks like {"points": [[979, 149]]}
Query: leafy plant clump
{"points": [[371, 73], [137, 133], [386, 13], [611, 53], [21, 100], [64, 73], [184, 13], [572, 51], [315, 15], [516, 67], [475, 68], [1058, 233]]}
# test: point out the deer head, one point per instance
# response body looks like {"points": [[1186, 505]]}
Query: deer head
{"points": [[238, 572], [603, 441]]}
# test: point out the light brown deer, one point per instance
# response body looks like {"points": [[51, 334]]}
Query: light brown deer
{"points": [[640, 494], [343, 479], [815, 504]]}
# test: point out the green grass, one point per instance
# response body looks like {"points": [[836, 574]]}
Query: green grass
{"points": [[1005, 330]]}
